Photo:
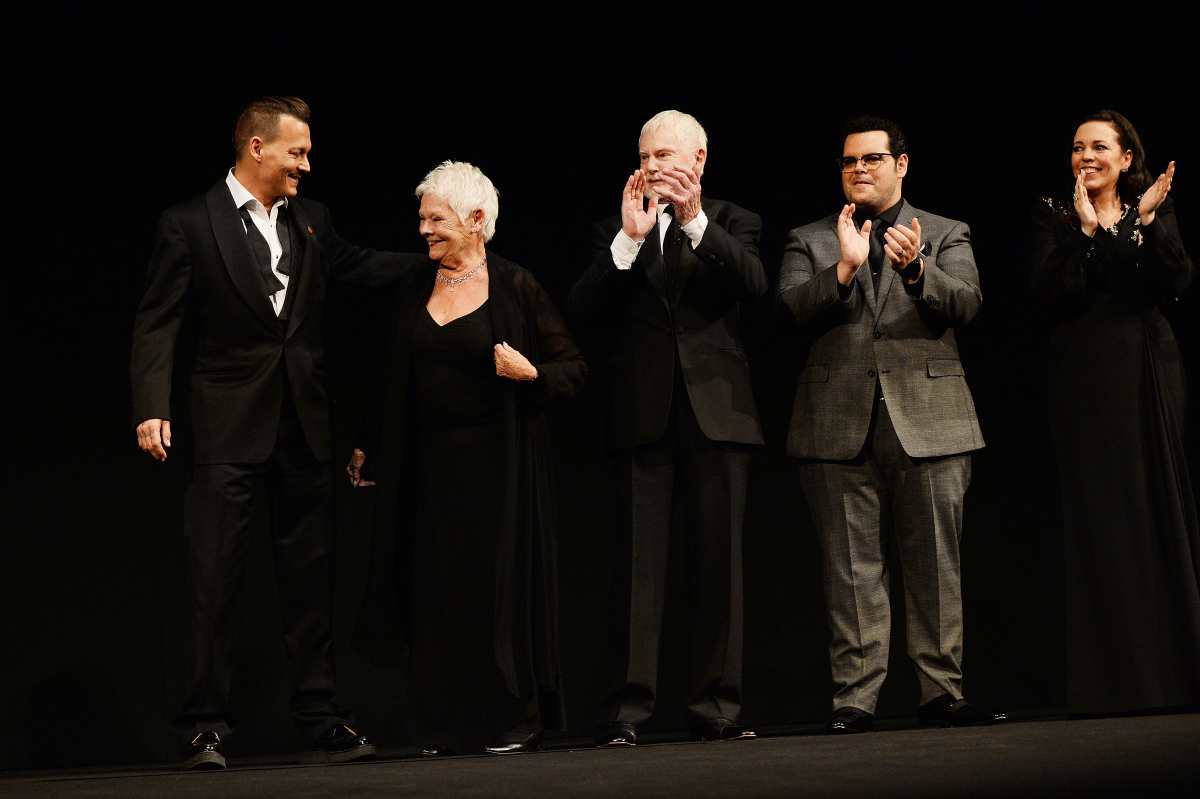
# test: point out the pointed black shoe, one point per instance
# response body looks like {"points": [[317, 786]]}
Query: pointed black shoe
{"points": [[850, 721], [341, 744], [722, 730], [528, 743], [617, 734], [204, 752], [946, 711], [437, 750]]}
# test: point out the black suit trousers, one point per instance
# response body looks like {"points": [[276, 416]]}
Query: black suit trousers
{"points": [[703, 484], [219, 509]]}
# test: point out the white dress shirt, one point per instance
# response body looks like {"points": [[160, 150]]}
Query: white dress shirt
{"points": [[265, 221], [624, 249]]}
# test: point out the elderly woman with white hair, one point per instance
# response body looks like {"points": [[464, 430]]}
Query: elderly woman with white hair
{"points": [[462, 464]]}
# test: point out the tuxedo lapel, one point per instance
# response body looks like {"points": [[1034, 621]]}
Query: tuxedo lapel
{"points": [[230, 234], [304, 260]]}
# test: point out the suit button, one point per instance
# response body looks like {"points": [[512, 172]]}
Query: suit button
{"points": [[679, 330], [877, 334], [870, 373]]}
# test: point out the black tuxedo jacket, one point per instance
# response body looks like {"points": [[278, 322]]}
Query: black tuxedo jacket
{"points": [[202, 266], [645, 328]]}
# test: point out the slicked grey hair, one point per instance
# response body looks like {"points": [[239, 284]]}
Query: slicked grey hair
{"points": [[464, 188]]}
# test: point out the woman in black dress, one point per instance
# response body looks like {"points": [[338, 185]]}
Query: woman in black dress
{"points": [[465, 484], [1104, 263]]}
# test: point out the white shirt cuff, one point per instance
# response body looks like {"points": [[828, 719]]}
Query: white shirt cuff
{"points": [[624, 250], [694, 230]]}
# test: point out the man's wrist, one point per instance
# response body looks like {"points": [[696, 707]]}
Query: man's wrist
{"points": [[912, 273]]}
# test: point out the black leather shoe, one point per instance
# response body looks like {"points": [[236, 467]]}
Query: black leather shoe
{"points": [[722, 730], [437, 750], [849, 721], [946, 711], [528, 743], [341, 745], [617, 734], [204, 752]]}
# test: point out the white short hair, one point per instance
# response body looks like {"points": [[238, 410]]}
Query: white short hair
{"points": [[686, 126], [464, 188]]}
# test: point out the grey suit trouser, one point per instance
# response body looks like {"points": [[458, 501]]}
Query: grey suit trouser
{"points": [[854, 505]]}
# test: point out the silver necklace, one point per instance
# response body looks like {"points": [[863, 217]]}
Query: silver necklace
{"points": [[452, 283]]}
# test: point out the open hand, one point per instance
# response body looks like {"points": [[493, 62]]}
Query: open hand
{"points": [[680, 186], [1088, 220], [1155, 195], [636, 221], [855, 244], [902, 245]]}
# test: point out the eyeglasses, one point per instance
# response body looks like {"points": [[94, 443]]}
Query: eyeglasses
{"points": [[871, 161]]}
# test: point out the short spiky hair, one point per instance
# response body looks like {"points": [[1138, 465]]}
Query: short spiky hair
{"points": [[465, 188], [864, 123], [261, 118]]}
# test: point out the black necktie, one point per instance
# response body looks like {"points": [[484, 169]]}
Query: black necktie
{"points": [[877, 256], [262, 253], [672, 244]]}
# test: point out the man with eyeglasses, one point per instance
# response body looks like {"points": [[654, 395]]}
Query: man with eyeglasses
{"points": [[884, 422]]}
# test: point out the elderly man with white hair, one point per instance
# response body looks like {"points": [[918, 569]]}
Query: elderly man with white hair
{"points": [[666, 282], [461, 449]]}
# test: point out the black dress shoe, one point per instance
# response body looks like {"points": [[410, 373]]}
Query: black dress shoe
{"points": [[722, 730], [527, 743], [341, 744], [849, 721], [617, 734], [204, 752], [946, 711], [437, 750]]}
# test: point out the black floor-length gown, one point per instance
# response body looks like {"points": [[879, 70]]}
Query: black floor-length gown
{"points": [[459, 434], [1132, 542], [463, 584]]}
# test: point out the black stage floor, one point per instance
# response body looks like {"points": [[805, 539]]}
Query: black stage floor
{"points": [[1137, 756]]}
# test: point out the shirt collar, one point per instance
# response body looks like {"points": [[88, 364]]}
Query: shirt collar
{"points": [[242, 195], [887, 217]]}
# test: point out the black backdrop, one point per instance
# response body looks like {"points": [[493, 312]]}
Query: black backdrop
{"points": [[124, 117]]}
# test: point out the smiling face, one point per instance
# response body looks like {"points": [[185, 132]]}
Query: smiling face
{"points": [[1098, 152], [663, 147], [274, 165], [878, 190], [450, 239]]}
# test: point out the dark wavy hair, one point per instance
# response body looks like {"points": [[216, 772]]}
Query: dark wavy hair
{"points": [[1137, 179], [260, 118]]}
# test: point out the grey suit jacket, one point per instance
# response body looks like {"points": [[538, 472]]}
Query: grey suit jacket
{"points": [[903, 340]]}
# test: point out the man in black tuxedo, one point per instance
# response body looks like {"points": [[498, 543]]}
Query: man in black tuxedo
{"points": [[248, 263], [665, 284]]}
